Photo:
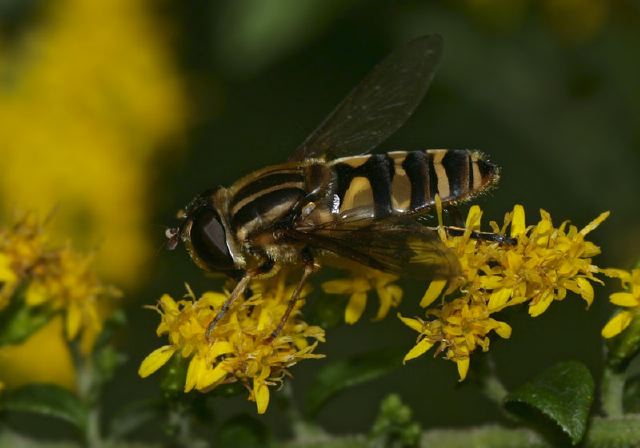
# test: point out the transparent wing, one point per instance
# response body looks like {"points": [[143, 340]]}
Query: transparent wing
{"points": [[378, 106], [395, 245]]}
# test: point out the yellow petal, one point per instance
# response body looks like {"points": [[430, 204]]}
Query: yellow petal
{"points": [[155, 360], [344, 286], [536, 309], [617, 324], [433, 292], [518, 225], [197, 366], [419, 349], [355, 308], [7, 275], [211, 376], [499, 298], [438, 203], [623, 275], [503, 330], [586, 290], [261, 394], [490, 281], [414, 324], [168, 304], [515, 260], [36, 294], [595, 223], [473, 218], [463, 367], [624, 299], [215, 299], [73, 321], [389, 296], [220, 348]]}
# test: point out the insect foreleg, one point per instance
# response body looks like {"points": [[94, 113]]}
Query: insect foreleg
{"points": [[237, 292]]}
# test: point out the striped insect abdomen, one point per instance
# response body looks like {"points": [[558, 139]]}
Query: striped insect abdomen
{"points": [[407, 181]]}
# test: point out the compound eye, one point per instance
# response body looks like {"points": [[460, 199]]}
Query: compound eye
{"points": [[209, 241]]}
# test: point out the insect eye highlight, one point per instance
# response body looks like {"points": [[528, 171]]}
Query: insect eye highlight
{"points": [[209, 241]]}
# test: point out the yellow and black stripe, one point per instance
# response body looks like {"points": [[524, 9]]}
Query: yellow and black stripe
{"points": [[264, 197], [407, 182]]}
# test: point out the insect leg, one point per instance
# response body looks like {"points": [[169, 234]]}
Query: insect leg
{"points": [[237, 292], [483, 236], [309, 268]]}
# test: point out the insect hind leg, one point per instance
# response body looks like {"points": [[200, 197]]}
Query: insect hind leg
{"points": [[482, 236], [309, 268]]}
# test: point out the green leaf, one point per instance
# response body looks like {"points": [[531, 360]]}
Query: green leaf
{"points": [[18, 322], [47, 400], [563, 393], [242, 431], [342, 374]]}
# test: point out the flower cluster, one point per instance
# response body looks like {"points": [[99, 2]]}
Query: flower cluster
{"points": [[55, 279], [240, 347], [358, 285], [542, 264], [628, 299]]}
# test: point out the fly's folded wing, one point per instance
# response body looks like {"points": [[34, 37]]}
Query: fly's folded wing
{"points": [[397, 246]]}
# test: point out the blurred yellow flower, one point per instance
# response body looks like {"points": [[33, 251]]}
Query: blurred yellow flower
{"points": [[539, 267], [240, 348], [55, 279], [83, 109], [358, 285], [629, 300], [90, 94]]}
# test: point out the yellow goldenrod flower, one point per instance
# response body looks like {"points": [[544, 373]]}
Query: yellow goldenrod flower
{"points": [[58, 279], [542, 264], [629, 300], [358, 285], [240, 348], [458, 328]]}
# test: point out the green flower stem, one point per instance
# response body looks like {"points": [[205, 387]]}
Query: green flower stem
{"points": [[85, 380], [493, 389], [612, 390]]}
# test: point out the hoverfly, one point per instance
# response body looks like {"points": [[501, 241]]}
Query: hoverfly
{"points": [[332, 201]]}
